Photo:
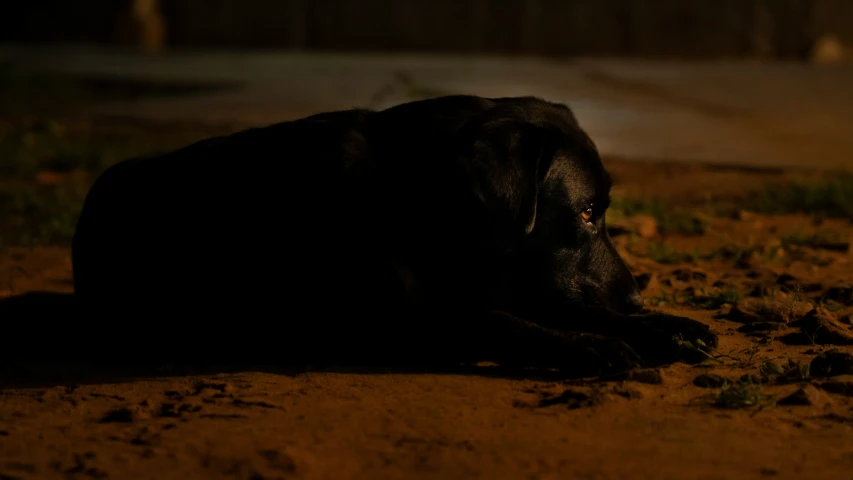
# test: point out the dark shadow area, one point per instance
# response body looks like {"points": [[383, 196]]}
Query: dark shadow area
{"points": [[48, 343], [47, 373]]}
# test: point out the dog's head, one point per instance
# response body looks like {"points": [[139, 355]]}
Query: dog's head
{"points": [[547, 194]]}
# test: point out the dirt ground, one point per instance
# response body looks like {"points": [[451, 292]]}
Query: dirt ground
{"points": [[773, 401]]}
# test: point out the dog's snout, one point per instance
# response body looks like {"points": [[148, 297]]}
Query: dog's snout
{"points": [[634, 302]]}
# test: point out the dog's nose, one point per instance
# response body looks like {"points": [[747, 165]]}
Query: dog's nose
{"points": [[634, 302]]}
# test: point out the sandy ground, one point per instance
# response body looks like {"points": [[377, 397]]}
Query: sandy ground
{"points": [[484, 423]]}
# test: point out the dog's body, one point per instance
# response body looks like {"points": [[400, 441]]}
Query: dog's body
{"points": [[452, 229]]}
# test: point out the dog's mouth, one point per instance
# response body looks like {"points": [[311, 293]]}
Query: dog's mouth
{"points": [[550, 300], [592, 296]]}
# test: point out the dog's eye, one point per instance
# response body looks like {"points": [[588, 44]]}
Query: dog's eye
{"points": [[586, 215]]}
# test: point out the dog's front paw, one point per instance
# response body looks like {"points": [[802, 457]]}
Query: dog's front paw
{"points": [[588, 355], [664, 338]]}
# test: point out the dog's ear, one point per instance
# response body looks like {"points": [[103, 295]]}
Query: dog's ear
{"points": [[506, 161]]}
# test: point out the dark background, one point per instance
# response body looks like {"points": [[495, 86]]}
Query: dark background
{"points": [[780, 29]]}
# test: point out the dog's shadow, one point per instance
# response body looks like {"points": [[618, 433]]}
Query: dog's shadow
{"points": [[45, 342], [53, 373]]}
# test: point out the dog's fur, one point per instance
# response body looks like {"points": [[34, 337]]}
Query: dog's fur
{"points": [[437, 231]]}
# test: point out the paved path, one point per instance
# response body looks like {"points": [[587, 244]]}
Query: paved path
{"points": [[735, 112]]}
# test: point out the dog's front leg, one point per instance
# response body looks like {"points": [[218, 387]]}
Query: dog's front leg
{"points": [[511, 341], [658, 338]]}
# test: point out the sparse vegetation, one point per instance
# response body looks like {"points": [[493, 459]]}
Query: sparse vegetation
{"points": [[781, 306], [46, 163], [663, 299], [714, 299], [663, 252], [35, 211], [707, 300], [812, 336], [669, 218], [739, 395], [794, 372], [828, 305], [830, 195], [820, 239], [33, 215], [30, 147], [743, 358], [45, 146]]}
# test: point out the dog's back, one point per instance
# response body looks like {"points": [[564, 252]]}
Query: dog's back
{"points": [[304, 196], [233, 223], [299, 224]]}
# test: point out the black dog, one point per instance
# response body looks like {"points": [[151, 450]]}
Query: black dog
{"points": [[435, 232]]}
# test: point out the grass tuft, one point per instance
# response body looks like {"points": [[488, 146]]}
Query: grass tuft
{"points": [[668, 218], [715, 299], [32, 215], [663, 253], [821, 239], [739, 395], [830, 196]]}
